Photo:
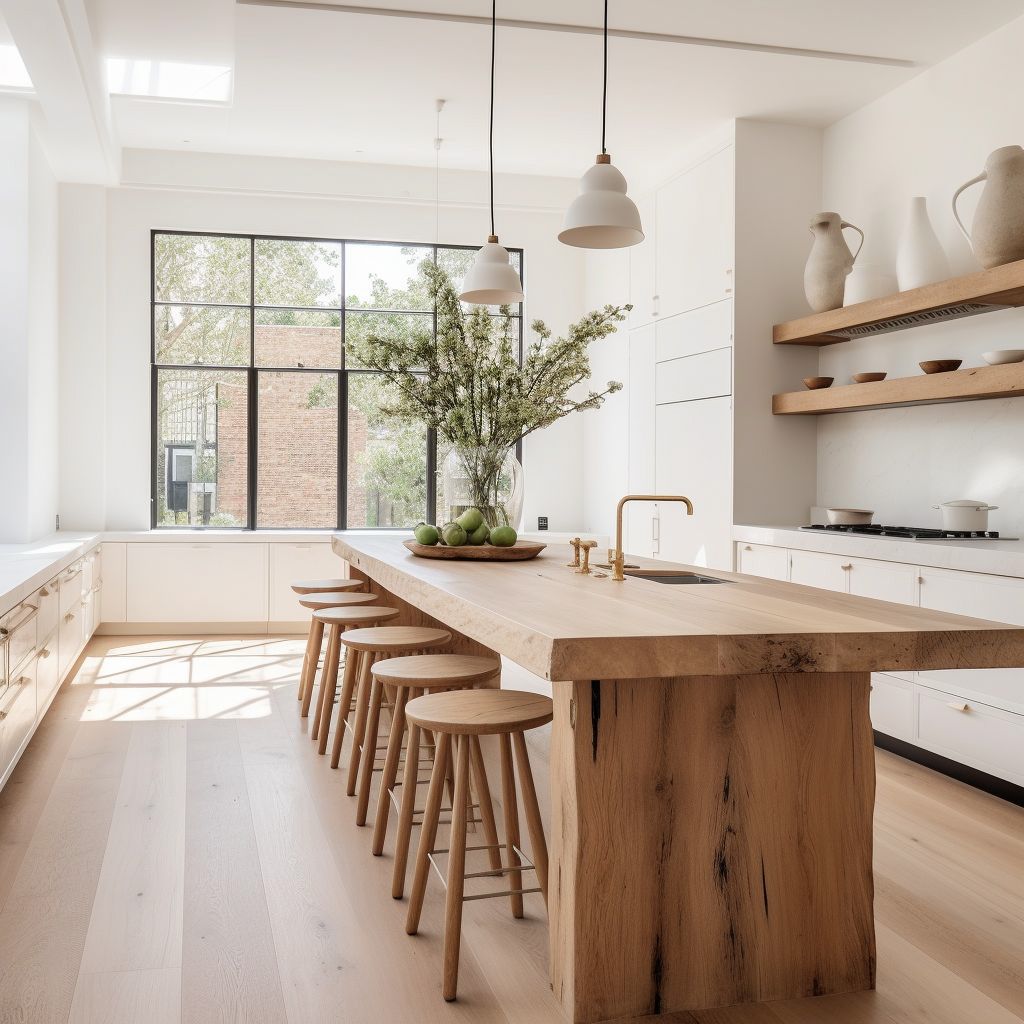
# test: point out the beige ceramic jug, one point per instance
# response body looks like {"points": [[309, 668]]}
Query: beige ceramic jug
{"points": [[830, 261], [997, 234]]}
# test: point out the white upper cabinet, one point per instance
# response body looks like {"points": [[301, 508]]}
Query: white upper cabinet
{"points": [[694, 236], [642, 275], [699, 330], [638, 526], [693, 444]]}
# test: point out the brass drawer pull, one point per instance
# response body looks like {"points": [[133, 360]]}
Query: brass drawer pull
{"points": [[958, 705]]}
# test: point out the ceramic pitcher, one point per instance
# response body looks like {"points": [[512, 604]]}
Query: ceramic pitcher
{"points": [[830, 261], [997, 234]]}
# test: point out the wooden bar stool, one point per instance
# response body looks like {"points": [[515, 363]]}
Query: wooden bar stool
{"points": [[316, 629], [338, 619], [409, 678], [314, 602], [460, 717]]}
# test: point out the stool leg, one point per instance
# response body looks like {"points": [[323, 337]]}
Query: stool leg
{"points": [[330, 691], [456, 873], [347, 686], [483, 795], [305, 661], [369, 751], [410, 782], [313, 645], [387, 780], [428, 833], [508, 798], [359, 729], [328, 679], [539, 848]]}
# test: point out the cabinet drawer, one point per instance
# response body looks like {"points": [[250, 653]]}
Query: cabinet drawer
{"points": [[17, 716], [300, 561], [706, 375], [763, 560], [69, 638], [814, 569], [892, 706], [883, 581], [201, 582], [49, 608], [47, 672], [997, 687], [1000, 598], [72, 584], [700, 330], [986, 738], [20, 626]]}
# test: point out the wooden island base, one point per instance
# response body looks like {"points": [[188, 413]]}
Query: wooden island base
{"points": [[711, 841]]}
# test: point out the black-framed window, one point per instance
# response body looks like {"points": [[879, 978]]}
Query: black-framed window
{"points": [[258, 419]]}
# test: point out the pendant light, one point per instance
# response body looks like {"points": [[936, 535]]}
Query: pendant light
{"points": [[602, 216], [492, 280]]}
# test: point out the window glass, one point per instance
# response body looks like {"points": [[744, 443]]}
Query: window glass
{"points": [[201, 448], [298, 337], [201, 268], [404, 326], [214, 335], [380, 276], [297, 273]]}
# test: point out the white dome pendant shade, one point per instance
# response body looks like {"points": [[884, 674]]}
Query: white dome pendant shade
{"points": [[492, 280], [602, 216]]}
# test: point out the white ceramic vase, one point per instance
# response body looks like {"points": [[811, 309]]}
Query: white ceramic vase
{"points": [[829, 263], [997, 234], [868, 281], [920, 258]]}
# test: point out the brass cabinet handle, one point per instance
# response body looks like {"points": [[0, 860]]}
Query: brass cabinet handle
{"points": [[3, 715], [958, 705], [22, 681], [847, 567], [69, 616], [44, 653]]}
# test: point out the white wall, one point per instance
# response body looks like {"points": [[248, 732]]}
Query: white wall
{"points": [[926, 138], [28, 336], [290, 198]]}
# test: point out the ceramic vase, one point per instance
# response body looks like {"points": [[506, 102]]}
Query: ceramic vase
{"points": [[868, 281], [830, 262], [920, 258], [997, 234]]}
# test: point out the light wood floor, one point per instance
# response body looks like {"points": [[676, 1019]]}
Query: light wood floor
{"points": [[171, 849]]}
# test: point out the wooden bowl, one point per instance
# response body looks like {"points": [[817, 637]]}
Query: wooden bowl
{"points": [[940, 365], [867, 378], [816, 383], [518, 552]]}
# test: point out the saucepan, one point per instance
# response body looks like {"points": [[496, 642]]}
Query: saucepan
{"points": [[849, 516], [965, 514]]}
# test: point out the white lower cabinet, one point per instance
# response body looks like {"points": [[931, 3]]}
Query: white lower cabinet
{"points": [[763, 560], [892, 706], [70, 638], [972, 733], [815, 569], [17, 716], [201, 582], [300, 561], [47, 672]]}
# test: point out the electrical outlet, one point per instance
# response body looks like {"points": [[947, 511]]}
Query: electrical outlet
{"points": [[542, 522]]}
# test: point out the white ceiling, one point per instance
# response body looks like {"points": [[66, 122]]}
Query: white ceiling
{"points": [[337, 85]]}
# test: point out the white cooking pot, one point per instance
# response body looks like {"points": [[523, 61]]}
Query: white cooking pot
{"points": [[965, 514]]}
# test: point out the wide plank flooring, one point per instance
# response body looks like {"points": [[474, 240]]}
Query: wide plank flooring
{"points": [[173, 850]]}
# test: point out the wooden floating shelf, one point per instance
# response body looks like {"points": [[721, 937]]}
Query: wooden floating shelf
{"points": [[978, 382], [988, 290]]}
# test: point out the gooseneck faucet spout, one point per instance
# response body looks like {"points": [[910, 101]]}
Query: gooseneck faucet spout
{"points": [[618, 560]]}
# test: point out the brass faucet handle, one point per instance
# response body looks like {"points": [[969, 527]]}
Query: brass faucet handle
{"points": [[587, 546], [575, 544], [618, 563]]}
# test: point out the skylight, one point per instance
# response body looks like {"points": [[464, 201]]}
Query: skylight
{"points": [[13, 73], [164, 79]]}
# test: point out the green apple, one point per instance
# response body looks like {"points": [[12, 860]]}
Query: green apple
{"points": [[426, 534], [470, 520], [479, 535], [503, 536], [453, 535]]}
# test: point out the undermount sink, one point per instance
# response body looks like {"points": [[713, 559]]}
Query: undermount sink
{"points": [[673, 578]]}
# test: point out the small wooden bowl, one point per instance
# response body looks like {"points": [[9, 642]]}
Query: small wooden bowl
{"points": [[816, 383], [867, 378], [940, 365]]}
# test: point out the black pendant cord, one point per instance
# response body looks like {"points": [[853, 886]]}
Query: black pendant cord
{"points": [[604, 90], [490, 137]]}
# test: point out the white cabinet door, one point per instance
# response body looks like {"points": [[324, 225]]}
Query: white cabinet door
{"points": [[705, 375], [815, 569], [113, 595], [763, 560], [884, 581], [17, 717], [639, 517], [892, 706], [694, 229], [70, 638], [200, 582], [642, 279], [971, 593], [693, 458], [300, 561], [47, 673], [699, 330]]}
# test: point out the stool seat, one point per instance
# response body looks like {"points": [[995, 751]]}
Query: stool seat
{"points": [[480, 712], [335, 600], [355, 615], [394, 638], [325, 586], [430, 670]]}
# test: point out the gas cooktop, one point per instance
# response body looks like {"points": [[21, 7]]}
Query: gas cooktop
{"points": [[909, 532]]}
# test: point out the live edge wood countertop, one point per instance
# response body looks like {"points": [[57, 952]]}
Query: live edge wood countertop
{"points": [[561, 625]]}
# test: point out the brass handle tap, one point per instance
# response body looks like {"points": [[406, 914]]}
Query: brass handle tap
{"points": [[575, 544], [617, 559], [586, 546]]}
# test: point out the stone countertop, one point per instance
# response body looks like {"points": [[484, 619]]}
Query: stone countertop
{"points": [[24, 568], [998, 557]]}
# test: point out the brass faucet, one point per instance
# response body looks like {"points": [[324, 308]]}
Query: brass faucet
{"points": [[618, 558]]}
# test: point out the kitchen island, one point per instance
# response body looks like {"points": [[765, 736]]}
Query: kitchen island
{"points": [[712, 771]]}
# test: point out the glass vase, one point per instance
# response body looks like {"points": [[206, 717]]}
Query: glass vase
{"points": [[490, 479]]}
